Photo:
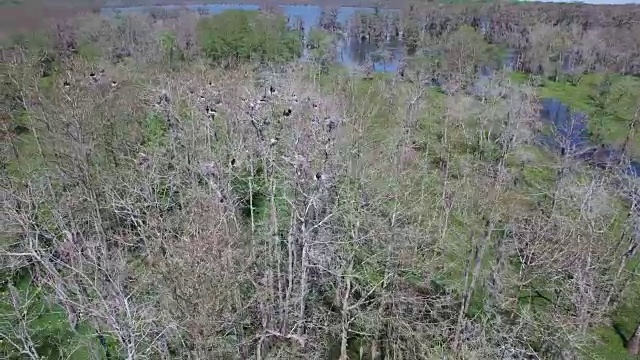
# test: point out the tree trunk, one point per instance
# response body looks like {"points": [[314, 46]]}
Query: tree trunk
{"points": [[633, 346]]}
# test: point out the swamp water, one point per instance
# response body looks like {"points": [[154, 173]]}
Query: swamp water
{"points": [[569, 135]]}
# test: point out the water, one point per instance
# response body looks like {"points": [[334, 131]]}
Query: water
{"points": [[351, 51], [569, 136]]}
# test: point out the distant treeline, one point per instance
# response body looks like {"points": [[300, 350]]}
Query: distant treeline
{"points": [[548, 37]]}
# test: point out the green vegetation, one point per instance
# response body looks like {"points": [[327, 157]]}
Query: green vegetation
{"points": [[27, 315], [10, 2], [248, 35], [611, 102], [170, 207], [155, 131]]}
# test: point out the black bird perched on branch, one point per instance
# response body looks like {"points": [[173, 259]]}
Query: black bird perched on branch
{"points": [[164, 98], [211, 112]]}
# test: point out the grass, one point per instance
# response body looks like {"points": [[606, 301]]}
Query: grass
{"points": [[29, 161], [610, 101], [155, 130], [612, 337], [46, 324]]}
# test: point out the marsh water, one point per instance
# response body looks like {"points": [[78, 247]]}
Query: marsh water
{"points": [[569, 135], [351, 50]]}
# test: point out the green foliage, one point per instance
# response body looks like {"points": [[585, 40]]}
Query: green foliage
{"points": [[236, 36], [466, 48], [611, 101], [412, 35], [88, 51], [156, 129], [33, 41], [319, 45], [318, 39], [420, 252], [24, 303], [251, 190], [28, 160], [169, 45], [611, 337], [11, 102]]}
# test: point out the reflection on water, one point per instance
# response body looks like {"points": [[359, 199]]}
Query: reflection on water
{"points": [[570, 135], [569, 127], [351, 51]]}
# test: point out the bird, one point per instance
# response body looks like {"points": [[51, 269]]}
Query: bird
{"points": [[273, 141], [164, 97], [66, 84], [210, 111], [272, 90], [221, 196], [114, 83], [143, 159], [330, 124], [20, 129], [287, 112]]}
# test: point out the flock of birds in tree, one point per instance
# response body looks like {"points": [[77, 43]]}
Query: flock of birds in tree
{"points": [[210, 103], [94, 78]]}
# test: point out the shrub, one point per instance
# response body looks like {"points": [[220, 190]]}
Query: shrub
{"points": [[237, 36]]}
